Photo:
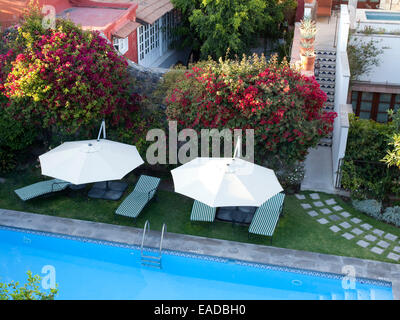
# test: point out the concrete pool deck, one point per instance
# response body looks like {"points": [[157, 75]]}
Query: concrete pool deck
{"points": [[214, 247]]}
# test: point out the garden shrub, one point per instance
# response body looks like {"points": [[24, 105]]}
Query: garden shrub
{"points": [[363, 174], [374, 209], [371, 207], [392, 215], [282, 106], [67, 80]]}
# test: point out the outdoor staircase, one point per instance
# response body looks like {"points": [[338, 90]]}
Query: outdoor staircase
{"points": [[326, 58]]}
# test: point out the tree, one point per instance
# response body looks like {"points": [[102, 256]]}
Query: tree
{"points": [[362, 55], [30, 291], [392, 157], [212, 27], [282, 106]]}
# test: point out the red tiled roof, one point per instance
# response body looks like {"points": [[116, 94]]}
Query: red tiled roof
{"points": [[151, 10], [126, 29]]}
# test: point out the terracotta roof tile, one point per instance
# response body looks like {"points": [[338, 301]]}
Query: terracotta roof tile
{"points": [[126, 29]]}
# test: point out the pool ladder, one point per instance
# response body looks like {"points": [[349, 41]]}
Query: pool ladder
{"points": [[152, 260]]}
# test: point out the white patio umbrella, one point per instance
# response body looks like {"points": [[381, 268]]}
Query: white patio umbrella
{"points": [[90, 161], [220, 182]]}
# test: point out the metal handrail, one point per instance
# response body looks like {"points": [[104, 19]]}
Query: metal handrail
{"points": [[164, 229], [145, 228]]}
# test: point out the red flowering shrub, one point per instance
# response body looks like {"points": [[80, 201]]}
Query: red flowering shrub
{"points": [[66, 78], [282, 106]]}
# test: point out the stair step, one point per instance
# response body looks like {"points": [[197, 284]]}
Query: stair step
{"points": [[151, 258], [323, 60], [326, 73], [325, 78], [324, 85], [323, 52]]}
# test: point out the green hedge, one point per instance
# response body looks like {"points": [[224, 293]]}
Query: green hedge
{"points": [[363, 172]]}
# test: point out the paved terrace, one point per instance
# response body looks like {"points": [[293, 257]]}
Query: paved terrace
{"points": [[214, 247]]}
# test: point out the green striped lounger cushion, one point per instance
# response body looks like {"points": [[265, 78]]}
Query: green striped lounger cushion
{"points": [[144, 191], [202, 212], [41, 188], [267, 216]]}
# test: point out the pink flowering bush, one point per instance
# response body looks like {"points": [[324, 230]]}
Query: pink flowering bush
{"points": [[284, 108], [66, 78]]}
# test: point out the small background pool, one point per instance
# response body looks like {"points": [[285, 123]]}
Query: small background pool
{"points": [[389, 16], [95, 270]]}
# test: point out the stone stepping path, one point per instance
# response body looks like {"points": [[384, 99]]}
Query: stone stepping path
{"points": [[343, 224]]}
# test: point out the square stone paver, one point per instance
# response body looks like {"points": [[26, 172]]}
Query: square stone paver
{"points": [[363, 243], [312, 213], [318, 204], [357, 231], [370, 237], [335, 228], [300, 196], [306, 206], [345, 225], [322, 221], [330, 202], [355, 220], [325, 211], [345, 214], [393, 256], [366, 226], [334, 217], [337, 208], [390, 236], [377, 250], [396, 249], [383, 244], [378, 232], [314, 196], [348, 236]]}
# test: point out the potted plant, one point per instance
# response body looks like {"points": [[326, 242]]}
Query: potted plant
{"points": [[306, 46], [308, 60], [308, 30]]}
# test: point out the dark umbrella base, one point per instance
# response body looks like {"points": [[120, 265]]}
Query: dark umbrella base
{"points": [[112, 190], [241, 215]]}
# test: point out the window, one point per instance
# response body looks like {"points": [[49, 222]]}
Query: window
{"points": [[375, 106], [154, 40], [121, 45]]}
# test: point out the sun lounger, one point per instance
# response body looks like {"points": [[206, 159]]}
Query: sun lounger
{"points": [[266, 217], [144, 191], [202, 212], [41, 188]]}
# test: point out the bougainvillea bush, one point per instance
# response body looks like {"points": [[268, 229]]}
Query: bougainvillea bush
{"points": [[68, 77], [282, 106]]}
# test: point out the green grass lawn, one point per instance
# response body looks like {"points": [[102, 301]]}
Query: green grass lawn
{"points": [[296, 230]]}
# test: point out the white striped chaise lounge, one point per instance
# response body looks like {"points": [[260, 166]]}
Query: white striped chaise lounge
{"points": [[266, 217], [41, 188], [202, 212], [144, 191]]}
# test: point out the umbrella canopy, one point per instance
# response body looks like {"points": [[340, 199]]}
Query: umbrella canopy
{"points": [[90, 161], [220, 182]]}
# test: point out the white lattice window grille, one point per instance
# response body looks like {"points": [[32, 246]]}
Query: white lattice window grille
{"points": [[121, 45], [154, 40]]}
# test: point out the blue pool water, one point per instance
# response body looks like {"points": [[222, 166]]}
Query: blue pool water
{"points": [[389, 16], [97, 270]]}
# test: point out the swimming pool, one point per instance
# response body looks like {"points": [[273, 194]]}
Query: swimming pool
{"points": [[388, 16], [89, 269]]}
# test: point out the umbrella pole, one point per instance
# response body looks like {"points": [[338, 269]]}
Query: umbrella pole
{"points": [[102, 130], [237, 151]]}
